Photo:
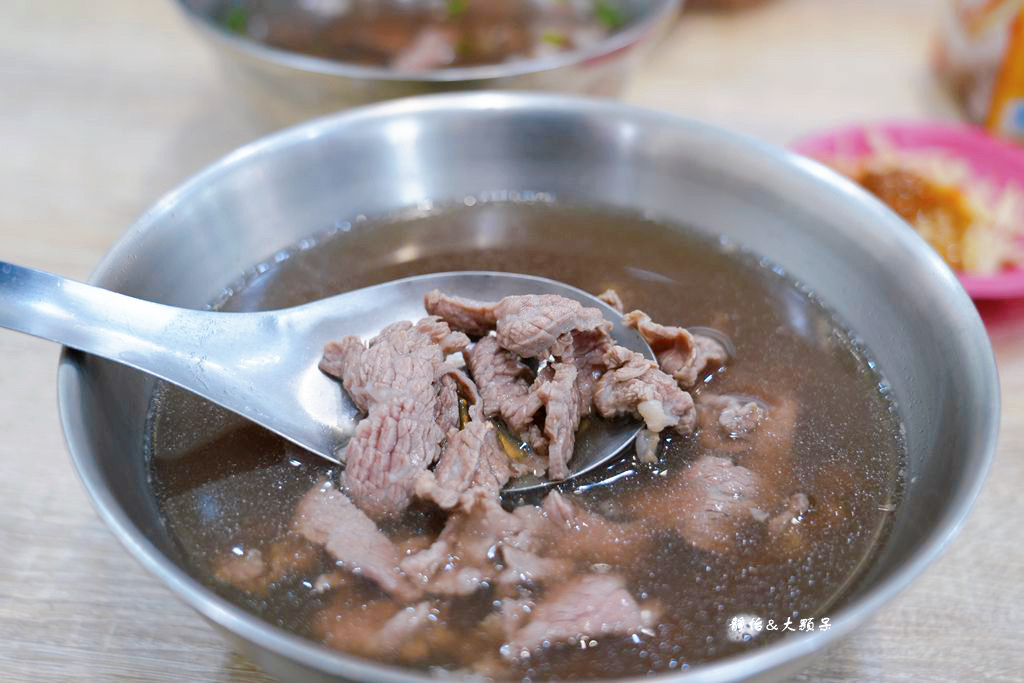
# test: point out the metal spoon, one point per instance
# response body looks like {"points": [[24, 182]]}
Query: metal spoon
{"points": [[263, 365]]}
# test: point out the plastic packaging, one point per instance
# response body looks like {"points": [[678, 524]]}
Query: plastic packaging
{"points": [[980, 55]]}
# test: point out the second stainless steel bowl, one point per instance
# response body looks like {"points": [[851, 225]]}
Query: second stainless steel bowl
{"points": [[282, 87]]}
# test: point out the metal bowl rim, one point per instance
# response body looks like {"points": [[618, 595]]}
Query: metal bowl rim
{"points": [[284, 644]]}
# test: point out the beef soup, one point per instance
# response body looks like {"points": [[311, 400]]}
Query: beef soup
{"points": [[762, 486], [423, 36]]}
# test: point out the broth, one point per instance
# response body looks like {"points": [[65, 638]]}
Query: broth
{"points": [[222, 483]]}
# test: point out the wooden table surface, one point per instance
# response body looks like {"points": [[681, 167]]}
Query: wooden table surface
{"points": [[107, 104]]}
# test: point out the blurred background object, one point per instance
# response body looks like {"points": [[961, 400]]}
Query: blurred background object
{"points": [[980, 55], [294, 59], [724, 5]]}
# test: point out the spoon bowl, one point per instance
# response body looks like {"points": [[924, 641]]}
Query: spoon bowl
{"points": [[264, 365]]}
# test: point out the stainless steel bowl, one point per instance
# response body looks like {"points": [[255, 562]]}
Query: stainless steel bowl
{"points": [[283, 87], [866, 264]]}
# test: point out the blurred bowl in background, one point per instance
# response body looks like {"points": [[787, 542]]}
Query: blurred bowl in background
{"points": [[303, 58]]}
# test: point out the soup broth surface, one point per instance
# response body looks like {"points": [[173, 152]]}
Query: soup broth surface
{"points": [[225, 485]]}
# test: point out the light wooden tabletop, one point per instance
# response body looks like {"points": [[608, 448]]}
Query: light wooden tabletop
{"points": [[107, 104]]}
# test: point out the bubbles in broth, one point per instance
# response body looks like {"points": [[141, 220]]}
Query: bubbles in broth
{"points": [[226, 487]]}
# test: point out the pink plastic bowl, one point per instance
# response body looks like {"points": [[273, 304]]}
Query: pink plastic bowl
{"points": [[993, 160]]}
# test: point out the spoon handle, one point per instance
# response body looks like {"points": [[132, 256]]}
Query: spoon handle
{"points": [[83, 317], [229, 358], [197, 350]]}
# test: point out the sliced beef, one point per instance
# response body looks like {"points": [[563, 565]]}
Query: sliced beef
{"points": [[730, 416], [588, 350], [290, 555], [325, 516], [353, 629], [566, 390], [561, 527], [330, 581], [771, 444], [433, 47], [559, 510], [255, 570], [512, 614], [673, 346], [522, 460], [738, 417], [464, 554], [456, 394], [475, 318], [612, 298], [440, 333], [404, 358], [685, 356], [592, 605], [563, 407], [446, 407], [533, 325], [530, 551], [712, 502], [796, 506], [710, 354], [494, 468], [399, 380], [482, 542], [375, 629], [467, 390], [389, 450], [535, 439], [457, 580], [790, 530], [759, 432], [423, 567], [504, 384], [243, 570], [634, 385], [530, 325], [405, 623], [525, 567], [472, 458], [341, 354]]}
